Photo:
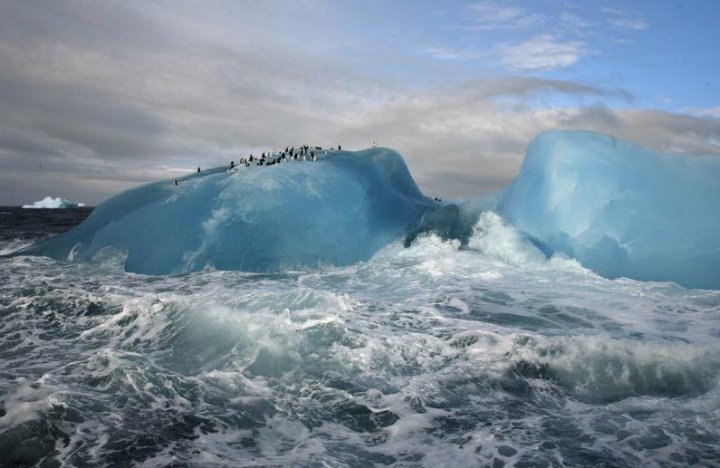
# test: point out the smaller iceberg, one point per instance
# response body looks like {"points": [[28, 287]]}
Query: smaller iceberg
{"points": [[621, 210], [54, 202]]}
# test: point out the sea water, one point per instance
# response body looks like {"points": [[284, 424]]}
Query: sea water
{"points": [[444, 353]]}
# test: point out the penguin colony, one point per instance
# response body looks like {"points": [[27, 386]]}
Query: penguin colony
{"points": [[301, 153]]}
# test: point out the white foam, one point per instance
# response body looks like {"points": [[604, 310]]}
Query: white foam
{"points": [[435, 354]]}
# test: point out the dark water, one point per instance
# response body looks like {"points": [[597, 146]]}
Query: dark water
{"points": [[20, 224], [423, 356]]}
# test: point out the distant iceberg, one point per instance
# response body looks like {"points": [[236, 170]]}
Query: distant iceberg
{"points": [[620, 210], [54, 202]]}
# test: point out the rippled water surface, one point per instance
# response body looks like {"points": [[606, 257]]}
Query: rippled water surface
{"points": [[427, 356]]}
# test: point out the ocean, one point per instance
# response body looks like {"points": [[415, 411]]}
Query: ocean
{"points": [[432, 355]]}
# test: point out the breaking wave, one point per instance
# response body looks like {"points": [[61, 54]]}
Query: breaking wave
{"points": [[444, 353]]}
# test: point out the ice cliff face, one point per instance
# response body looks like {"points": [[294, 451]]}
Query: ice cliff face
{"points": [[621, 210], [338, 210]]}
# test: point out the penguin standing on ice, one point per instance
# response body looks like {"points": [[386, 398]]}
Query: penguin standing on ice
{"points": [[312, 156]]}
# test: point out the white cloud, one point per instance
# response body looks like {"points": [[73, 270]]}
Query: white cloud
{"points": [[444, 53], [542, 52], [634, 24], [491, 16], [625, 20], [573, 21]]}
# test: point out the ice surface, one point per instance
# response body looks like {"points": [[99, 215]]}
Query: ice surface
{"points": [[621, 210], [54, 202], [338, 210]]}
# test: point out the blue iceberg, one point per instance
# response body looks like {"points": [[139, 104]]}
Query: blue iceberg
{"points": [[621, 210], [338, 210]]}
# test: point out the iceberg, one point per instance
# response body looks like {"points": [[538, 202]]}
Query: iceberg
{"points": [[338, 210], [619, 209], [54, 202]]}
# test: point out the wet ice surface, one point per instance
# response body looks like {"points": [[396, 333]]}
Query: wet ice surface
{"points": [[425, 356]]}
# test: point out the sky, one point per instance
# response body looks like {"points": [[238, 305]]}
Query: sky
{"points": [[99, 96]]}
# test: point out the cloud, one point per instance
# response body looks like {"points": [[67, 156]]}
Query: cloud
{"points": [[524, 86], [137, 94], [97, 97], [445, 53], [625, 20], [542, 52], [488, 16], [575, 34], [574, 22]]}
